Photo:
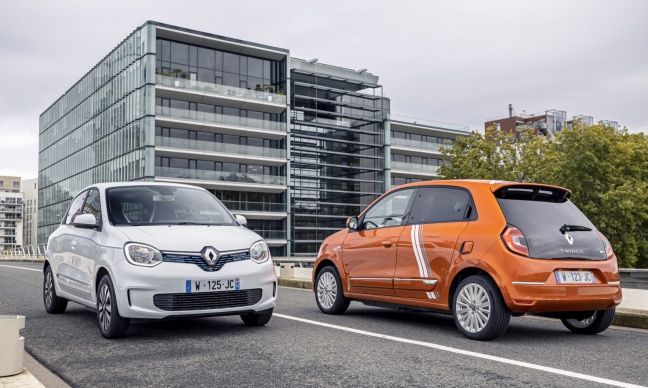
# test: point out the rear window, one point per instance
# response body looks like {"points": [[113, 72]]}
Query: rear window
{"points": [[540, 212]]}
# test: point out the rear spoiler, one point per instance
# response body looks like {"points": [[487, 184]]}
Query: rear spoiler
{"points": [[530, 192]]}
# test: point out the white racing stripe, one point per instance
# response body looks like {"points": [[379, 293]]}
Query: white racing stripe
{"points": [[466, 353], [27, 269]]}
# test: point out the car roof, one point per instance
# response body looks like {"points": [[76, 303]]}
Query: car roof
{"points": [[474, 183], [108, 185]]}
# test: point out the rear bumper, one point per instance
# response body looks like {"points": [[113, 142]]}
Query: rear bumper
{"points": [[555, 297]]}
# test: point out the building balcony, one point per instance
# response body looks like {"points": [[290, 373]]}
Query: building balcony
{"points": [[274, 238], [410, 170], [225, 124], [257, 210], [222, 95], [221, 179], [174, 147], [418, 148], [430, 123]]}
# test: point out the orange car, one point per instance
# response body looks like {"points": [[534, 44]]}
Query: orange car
{"points": [[480, 250]]}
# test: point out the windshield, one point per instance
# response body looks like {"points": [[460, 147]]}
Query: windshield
{"points": [[165, 205]]}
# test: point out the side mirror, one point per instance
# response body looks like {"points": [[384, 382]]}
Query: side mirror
{"points": [[85, 221], [352, 223], [241, 220]]}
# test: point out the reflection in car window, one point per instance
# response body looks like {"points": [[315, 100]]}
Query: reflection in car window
{"points": [[168, 205], [93, 204], [75, 208], [439, 204], [389, 211]]}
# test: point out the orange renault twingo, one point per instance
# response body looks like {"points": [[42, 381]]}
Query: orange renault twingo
{"points": [[480, 250]]}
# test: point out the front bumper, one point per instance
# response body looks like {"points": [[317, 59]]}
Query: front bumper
{"points": [[136, 288]]}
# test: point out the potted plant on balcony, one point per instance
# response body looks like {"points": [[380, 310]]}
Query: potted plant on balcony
{"points": [[177, 73], [270, 89]]}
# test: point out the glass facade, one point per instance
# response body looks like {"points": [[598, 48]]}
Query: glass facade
{"points": [[97, 131], [337, 158]]}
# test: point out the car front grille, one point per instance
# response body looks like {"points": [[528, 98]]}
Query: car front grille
{"points": [[169, 257], [207, 300]]}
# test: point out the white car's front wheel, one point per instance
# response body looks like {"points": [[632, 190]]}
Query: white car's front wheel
{"points": [[54, 304], [111, 324], [257, 319]]}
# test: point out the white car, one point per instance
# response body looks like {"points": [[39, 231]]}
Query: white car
{"points": [[154, 250]]}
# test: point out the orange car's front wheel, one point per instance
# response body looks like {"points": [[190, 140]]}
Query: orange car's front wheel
{"points": [[328, 292]]}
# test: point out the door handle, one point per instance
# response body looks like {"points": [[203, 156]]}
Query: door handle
{"points": [[387, 244]]}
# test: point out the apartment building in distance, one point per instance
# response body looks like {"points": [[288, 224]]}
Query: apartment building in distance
{"points": [[296, 146], [11, 213], [30, 211], [547, 123]]}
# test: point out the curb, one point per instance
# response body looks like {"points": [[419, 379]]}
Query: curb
{"points": [[23, 379], [623, 317], [295, 283], [631, 318], [22, 260]]}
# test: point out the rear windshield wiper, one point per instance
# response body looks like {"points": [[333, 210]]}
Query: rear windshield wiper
{"points": [[574, 228]]}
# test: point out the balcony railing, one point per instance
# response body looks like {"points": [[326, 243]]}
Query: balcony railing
{"points": [[271, 234], [185, 173], [419, 145], [222, 90], [214, 118], [430, 123], [414, 168], [255, 206], [235, 149]]}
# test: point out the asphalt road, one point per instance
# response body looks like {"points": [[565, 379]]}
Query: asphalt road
{"points": [[300, 346]]}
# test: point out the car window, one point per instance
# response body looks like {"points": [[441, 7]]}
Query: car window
{"points": [[75, 208], [389, 211], [439, 204], [164, 205], [93, 204]]}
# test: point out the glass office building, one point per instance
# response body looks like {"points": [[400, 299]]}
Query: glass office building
{"points": [[295, 146]]}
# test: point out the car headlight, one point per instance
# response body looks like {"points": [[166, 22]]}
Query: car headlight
{"points": [[259, 252], [144, 255]]}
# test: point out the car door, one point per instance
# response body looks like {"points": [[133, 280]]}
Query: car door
{"points": [[65, 269], [84, 246], [429, 241], [369, 254]]}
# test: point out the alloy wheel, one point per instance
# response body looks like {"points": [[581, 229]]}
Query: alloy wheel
{"points": [[48, 289], [327, 290], [473, 307], [582, 323], [104, 306]]}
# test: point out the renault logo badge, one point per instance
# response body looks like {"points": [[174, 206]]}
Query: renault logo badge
{"points": [[569, 239], [210, 255]]}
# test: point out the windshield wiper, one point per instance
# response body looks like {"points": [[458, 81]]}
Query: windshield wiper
{"points": [[574, 228], [193, 223]]}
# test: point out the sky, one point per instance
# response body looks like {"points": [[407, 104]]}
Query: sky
{"points": [[459, 62]]}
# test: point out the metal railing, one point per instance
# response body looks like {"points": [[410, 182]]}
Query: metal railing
{"points": [[221, 90], [430, 123], [236, 149], [33, 252], [414, 168], [214, 118], [419, 145], [244, 206], [221, 176]]}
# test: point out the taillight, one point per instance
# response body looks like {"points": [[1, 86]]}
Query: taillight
{"points": [[515, 241], [606, 245]]}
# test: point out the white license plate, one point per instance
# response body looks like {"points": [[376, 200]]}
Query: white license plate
{"points": [[212, 285], [574, 277]]}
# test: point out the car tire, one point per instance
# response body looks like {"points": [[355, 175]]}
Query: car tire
{"points": [[479, 310], [257, 319], [111, 324], [54, 304], [329, 294], [598, 322]]}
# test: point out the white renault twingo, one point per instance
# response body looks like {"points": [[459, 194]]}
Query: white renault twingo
{"points": [[152, 251]]}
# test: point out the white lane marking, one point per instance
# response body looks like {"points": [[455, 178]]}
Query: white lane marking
{"points": [[27, 269], [467, 353]]}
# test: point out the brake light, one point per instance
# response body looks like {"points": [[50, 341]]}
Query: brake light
{"points": [[606, 245], [515, 241]]}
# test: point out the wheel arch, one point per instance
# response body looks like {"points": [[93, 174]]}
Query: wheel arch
{"points": [[323, 264], [461, 275]]}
